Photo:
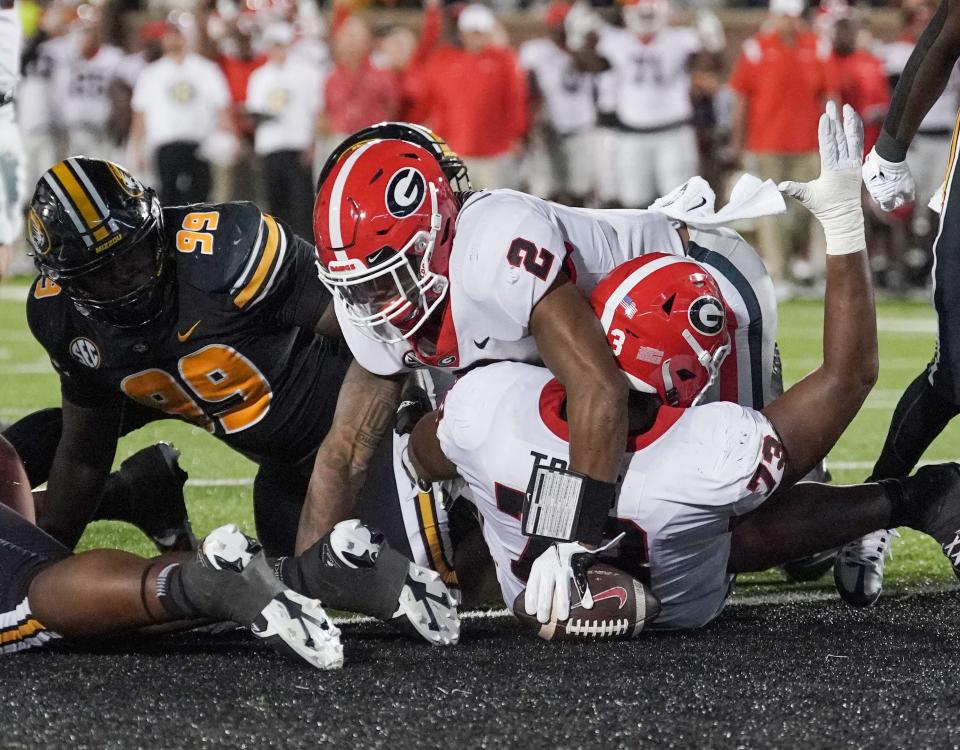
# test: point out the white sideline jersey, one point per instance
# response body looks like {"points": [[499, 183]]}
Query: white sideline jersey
{"points": [[567, 92], [39, 109], [683, 482], [83, 87], [9, 50], [653, 77], [509, 248]]}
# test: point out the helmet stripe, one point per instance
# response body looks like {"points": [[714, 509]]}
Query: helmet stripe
{"points": [[91, 190], [336, 199], [67, 206], [613, 301], [79, 197]]}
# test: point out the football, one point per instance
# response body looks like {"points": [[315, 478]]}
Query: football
{"points": [[622, 606]]}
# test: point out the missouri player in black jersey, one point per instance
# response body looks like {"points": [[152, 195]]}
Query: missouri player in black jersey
{"points": [[210, 314], [932, 399], [47, 593]]}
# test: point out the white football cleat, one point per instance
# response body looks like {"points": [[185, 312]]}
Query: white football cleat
{"points": [[294, 624], [289, 622], [858, 569], [427, 606]]}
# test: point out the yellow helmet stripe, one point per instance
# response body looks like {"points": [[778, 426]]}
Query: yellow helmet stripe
{"points": [[79, 197]]}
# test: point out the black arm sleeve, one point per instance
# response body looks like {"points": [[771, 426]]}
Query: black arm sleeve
{"points": [[922, 81]]}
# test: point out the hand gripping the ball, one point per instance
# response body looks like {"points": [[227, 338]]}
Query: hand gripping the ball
{"points": [[552, 574], [834, 197], [889, 182]]}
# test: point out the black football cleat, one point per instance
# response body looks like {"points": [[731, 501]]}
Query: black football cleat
{"points": [[154, 480], [938, 487], [810, 568]]}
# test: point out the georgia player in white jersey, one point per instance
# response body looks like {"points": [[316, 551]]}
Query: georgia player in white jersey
{"points": [[695, 481], [420, 280], [500, 422]]}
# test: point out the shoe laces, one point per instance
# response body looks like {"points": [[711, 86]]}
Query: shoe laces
{"points": [[870, 550]]}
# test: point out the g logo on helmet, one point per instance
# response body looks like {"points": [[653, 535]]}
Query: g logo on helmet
{"points": [[706, 315], [37, 234], [405, 192]]}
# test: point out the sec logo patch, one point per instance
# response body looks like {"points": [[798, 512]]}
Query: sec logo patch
{"points": [[85, 352], [405, 192]]}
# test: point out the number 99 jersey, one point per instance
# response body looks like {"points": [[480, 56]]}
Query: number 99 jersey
{"points": [[234, 351]]}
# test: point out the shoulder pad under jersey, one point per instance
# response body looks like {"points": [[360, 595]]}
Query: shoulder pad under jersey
{"points": [[225, 247]]}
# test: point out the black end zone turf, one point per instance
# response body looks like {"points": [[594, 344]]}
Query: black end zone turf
{"points": [[795, 675]]}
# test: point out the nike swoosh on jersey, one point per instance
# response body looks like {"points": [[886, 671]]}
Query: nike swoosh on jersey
{"points": [[181, 337], [481, 344], [616, 592]]}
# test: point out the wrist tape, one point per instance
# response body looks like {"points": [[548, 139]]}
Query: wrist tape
{"points": [[565, 506]]}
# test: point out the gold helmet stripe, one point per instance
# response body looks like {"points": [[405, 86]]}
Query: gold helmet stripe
{"points": [[78, 195]]}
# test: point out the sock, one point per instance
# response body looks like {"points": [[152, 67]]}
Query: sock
{"points": [[116, 503], [902, 511], [193, 590], [319, 574], [173, 595], [920, 416]]}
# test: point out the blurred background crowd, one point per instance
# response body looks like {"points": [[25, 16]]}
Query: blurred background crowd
{"points": [[610, 104]]}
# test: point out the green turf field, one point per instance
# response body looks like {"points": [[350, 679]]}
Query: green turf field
{"points": [[219, 491]]}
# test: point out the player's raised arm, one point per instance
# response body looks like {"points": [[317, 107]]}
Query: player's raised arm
{"points": [[365, 409], [812, 414], [885, 172]]}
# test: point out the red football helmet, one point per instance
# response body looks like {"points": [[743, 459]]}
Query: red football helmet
{"points": [[383, 223], [665, 321]]}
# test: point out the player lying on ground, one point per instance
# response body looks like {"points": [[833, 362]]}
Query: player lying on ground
{"points": [[933, 398], [212, 314], [426, 277], [47, 592], [693, 504]]}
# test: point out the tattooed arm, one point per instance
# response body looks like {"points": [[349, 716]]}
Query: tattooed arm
{"points": [[365, 410]]}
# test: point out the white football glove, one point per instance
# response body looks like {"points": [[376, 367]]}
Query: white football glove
{"points": [[561, 565], [834, 197], [889, 182]]}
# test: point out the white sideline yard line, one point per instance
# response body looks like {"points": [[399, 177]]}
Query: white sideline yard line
{"points": [[232, 482], [754, 600]]}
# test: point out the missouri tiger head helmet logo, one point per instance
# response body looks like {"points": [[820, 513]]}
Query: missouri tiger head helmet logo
{"points": [[37, 236], [130, 184]]}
